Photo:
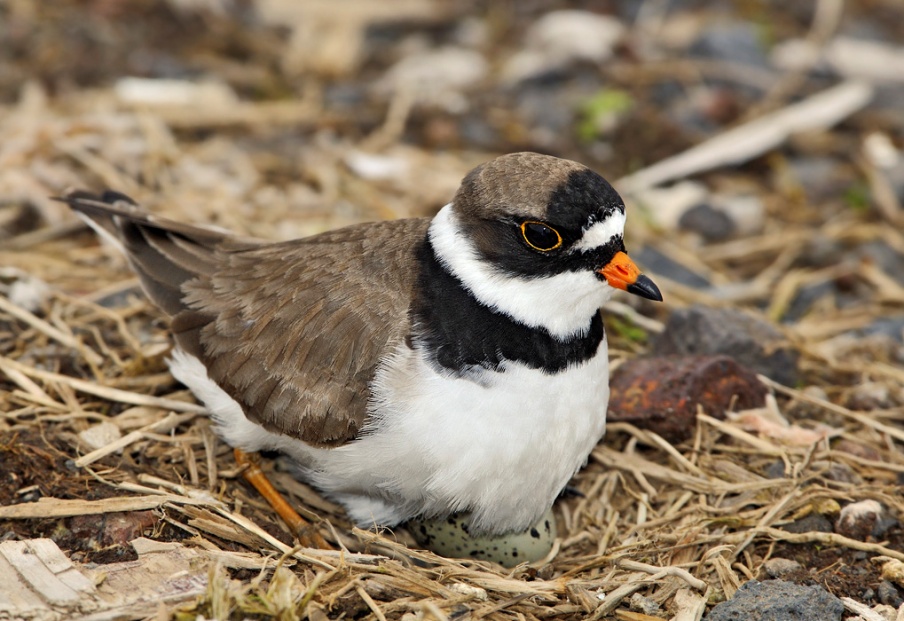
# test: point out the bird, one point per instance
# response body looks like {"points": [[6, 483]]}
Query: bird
{"points": [[411, 368]]}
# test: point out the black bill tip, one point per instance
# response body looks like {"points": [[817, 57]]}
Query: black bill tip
{"points": [[645, 288]]}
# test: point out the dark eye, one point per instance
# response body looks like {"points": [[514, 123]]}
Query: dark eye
{"points": [[539, 236]]}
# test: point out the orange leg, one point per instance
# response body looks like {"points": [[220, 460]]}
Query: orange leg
{"points": [[305, 531]]}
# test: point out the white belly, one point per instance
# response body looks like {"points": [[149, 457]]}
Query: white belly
{"points": [[501, 445]]}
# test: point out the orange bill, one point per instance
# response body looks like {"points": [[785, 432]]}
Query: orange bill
{"points": [[621, 273]]}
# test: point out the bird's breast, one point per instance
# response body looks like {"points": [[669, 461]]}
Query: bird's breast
{"points": [[500, 443]]}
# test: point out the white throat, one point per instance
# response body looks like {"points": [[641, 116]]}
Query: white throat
{"points": [[562, 304]]}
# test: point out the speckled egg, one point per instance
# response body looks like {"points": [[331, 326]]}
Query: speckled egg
{"points": [[449, 537]]}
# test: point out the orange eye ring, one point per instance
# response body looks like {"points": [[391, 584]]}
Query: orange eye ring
{"points": [[538, 230]]}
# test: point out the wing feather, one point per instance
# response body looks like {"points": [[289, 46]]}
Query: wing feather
{"points": [[293, 331]]}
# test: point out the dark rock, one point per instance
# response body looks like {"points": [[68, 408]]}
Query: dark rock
{"points": [[711, 224], [662, 394], [820, 251], [838, 471], [733, 42], [889, 594], [752, 342], [658, 263], [776, 469], [806, 297], [777, 600], [820, 178], [813, 523]]}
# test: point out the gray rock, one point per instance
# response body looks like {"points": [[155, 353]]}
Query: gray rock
{"points": [[780, 567], [806, 297], [666, 206], [654, 261], [777, 600], [820, 251], [819, 177], [753, 342], [776, 470], [889, 594], [711, 224], [746, 212], [730, 41], [560, 38], [438, 77]]}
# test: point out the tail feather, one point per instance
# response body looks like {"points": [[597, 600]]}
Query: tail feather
{"points": [[165, 254]]}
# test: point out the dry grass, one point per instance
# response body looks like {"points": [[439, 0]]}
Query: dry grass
{"points": [[681, 525]]}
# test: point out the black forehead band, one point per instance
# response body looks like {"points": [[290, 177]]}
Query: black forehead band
{"points": [[581, 200]]}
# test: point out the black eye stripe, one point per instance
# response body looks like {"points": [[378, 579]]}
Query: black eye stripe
{"points": [[540, 236]]}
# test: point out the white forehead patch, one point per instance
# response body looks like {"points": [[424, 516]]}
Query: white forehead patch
{"points": [[599, 233]]}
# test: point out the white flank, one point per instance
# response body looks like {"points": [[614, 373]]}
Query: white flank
{"points": [[563, 304], [504, 446]]}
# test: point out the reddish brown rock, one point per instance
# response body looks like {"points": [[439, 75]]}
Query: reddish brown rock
{"points": [[662, 394]]}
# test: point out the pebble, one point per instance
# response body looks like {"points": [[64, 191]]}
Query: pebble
{"points": [[806, 297], [559, 38], [710, 223], [861, 520], [375, 167], [438, 77], [869, 396], [777, 600], [733, 42], [655, 261], [813, 523], [819, 178], [746, 212], [780, 567], [820, 251], [100, 435], [857, 449], [725, 216], [644, 605], [24, 290], [754, 343], [889, 594], [845, 56], [666, 206]]}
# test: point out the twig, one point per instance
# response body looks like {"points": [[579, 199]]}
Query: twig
{"points": [[755, 137], [105, 392], [42, 326]]}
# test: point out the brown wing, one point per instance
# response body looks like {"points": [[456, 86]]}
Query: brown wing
{"points": [[293, 331]]}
